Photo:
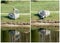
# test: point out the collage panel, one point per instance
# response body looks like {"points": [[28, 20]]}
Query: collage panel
{"points": [[45, 11], [15, 12], [15, 21], [15, 34], [45, 33], [30, 21], [45, 21]]}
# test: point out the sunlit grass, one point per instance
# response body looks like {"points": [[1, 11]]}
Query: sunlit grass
{"points": [[45, 5], [22, 6], [53, 17], [21, 19]]}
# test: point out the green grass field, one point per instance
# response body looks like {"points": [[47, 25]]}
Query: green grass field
{"points": [[21, 19], [52, 17], [45, 5], [23, 6]]}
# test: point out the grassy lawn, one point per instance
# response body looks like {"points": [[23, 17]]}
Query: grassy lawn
{"points": [[23, 6], [45, 5], [21, 19], [52, 17]]}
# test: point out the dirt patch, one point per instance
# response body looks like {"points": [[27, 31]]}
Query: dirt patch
{"points": [[44, 21], [23, 23], [45, 24]]}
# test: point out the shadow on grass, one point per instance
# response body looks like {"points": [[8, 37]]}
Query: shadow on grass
{"points": [[38, 16], [7, 17]]}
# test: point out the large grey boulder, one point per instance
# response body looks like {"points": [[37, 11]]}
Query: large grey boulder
{"points": [[15, 14], [44, 13]]}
